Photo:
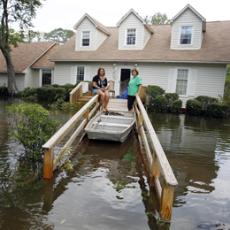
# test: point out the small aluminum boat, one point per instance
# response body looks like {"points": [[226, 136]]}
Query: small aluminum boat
{"points": [[110, 127]]}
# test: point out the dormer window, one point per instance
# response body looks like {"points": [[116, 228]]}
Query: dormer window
{"points": [[131, 37], [85, 38], [186, 35]]}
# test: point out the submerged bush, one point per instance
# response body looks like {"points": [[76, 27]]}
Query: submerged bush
{"points": [[32, 127], [153, 91], [205, 101], [217, 110], [176, 106], [160, 104], [47, 94], [3, 92], [194, 107]]}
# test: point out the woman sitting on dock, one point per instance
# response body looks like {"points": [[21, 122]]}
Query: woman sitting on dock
{"points": [[100, 87], [133, 87]]}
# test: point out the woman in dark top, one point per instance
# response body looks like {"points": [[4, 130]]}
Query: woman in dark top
{"points": [[100, 86]]}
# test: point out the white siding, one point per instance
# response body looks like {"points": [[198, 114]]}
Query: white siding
{"points": [[62, 74], [19, 81], [188, 18], [35, 78], [202, 79], [28, 78], [132, 22], [96, 36], [210, 81]]}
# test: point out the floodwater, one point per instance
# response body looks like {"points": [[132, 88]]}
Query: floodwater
{"points": [[107, 189]]}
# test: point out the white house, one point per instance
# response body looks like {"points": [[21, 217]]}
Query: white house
{"points": [[31, 64], [189, 56]]}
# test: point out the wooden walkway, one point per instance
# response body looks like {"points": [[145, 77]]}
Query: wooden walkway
{"points": [[159, 171]]}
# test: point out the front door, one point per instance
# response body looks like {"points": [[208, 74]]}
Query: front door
{"points": [[124, 80]]}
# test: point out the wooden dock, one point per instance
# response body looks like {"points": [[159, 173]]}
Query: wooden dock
{"points": [[160, 174]]}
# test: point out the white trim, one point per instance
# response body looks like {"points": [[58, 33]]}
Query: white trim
{"points": [[188, 80], [82, 39], [40, 78], [126, 34], [77, 72], [131, 11], [188, 6], [184, 45]]}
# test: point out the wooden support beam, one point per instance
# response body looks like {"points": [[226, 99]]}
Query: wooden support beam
{"points": [[166, 202], [48, 163]]}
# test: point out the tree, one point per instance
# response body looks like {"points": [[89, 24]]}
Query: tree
{"points": [[59, 35], [157, 19], [20, 12]]}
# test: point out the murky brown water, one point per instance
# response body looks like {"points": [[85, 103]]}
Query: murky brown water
{"points": [[107, 189]]}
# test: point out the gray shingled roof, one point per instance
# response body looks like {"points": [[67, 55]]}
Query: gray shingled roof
{"points": [[215, 48]]}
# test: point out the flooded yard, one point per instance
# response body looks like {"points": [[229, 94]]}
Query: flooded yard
{"points": [[107, 188]]}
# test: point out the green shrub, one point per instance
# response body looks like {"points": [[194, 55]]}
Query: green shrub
{"points": [[227, 92], [194, 107], [50, 94], [160, 104], [153, 91], [29, 94], [171, 97], [217, 110], [205, 101], [176, 106], [32, 128]]}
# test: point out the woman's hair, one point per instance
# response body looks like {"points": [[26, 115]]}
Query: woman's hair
{"points": [[99, 70], [135, 70]]}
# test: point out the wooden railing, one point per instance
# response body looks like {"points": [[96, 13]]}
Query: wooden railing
{"points": [[158, 167], [76, 93], [75, 124]]}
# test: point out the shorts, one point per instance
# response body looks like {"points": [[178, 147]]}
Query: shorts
{"points": [[95, 91], [131, 100]]}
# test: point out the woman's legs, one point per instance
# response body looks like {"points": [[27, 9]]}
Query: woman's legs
{"points": [[106, 102], [131, 100]]}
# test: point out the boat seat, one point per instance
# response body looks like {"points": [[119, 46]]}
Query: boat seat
{"points": [[110, 124]]}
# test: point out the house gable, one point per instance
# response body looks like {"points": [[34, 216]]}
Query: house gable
{"points": [[131, 24], [187, 24], [89, 28]]}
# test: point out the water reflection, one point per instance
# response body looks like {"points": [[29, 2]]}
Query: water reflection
{"points": [[107, 188], [199, 152]]}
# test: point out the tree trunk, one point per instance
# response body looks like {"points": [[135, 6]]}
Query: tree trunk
{"points": [[12, 87]]}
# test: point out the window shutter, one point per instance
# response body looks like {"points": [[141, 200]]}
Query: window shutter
{"points": [[192, 79], [172, 80]]}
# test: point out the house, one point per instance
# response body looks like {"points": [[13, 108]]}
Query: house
{"points": [[189, 56], [31, 64]]}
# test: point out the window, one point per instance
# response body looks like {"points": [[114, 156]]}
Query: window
{"points": [[131, 37], [186, 35], [182, 81], [80, 73], [85, 38], [46, 77]]}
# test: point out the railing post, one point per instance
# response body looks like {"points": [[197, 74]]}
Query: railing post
{"points": [[166, 202], [48, 164]]}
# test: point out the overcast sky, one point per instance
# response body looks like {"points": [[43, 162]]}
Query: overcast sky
{"points": [[65, 13]]}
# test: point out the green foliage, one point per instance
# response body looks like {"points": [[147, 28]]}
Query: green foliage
{"points": [[227, 91], [47, 94], [205, 101], [176, 106], [15, 37], [59, 35], [194, 107], [157, 19], [153, 91], [217, 110], [32, 127], [160, 104]]}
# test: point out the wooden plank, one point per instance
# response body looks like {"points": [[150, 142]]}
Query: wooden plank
{"points": [[167, 202], [155, 144], [62, 132], [48, 164], [73, 94], [69, 143]]}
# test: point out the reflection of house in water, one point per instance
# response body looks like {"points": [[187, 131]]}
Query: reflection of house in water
{"points": [[190, 147]]}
